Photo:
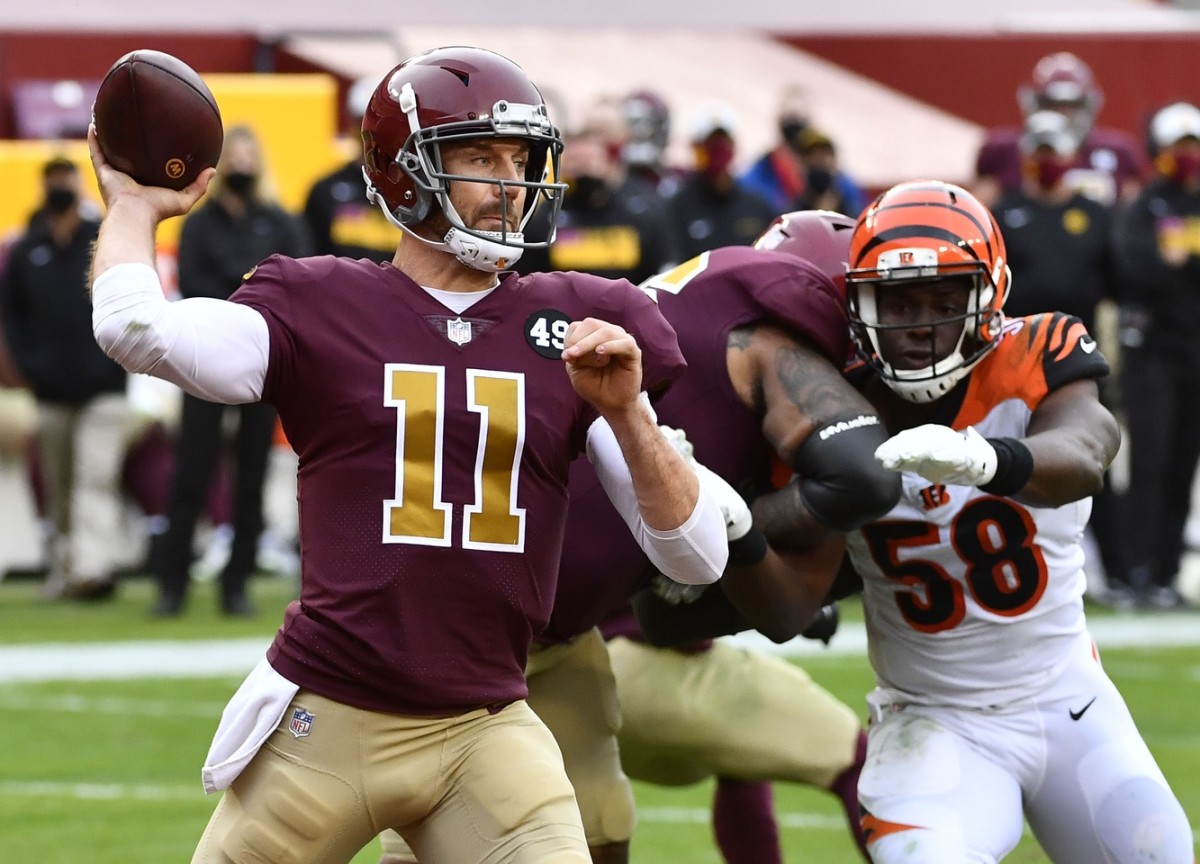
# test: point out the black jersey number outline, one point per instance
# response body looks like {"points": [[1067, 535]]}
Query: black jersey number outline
{"points": [[994, 538]]}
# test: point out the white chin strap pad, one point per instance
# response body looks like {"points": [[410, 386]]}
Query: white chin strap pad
{"points": [[482, 253]]}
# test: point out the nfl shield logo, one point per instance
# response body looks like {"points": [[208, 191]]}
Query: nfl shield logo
{"points": [[458, 331], [301, 723]]}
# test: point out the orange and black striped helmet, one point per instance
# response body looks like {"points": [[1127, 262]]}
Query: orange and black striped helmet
{"points": [[927, 230]]}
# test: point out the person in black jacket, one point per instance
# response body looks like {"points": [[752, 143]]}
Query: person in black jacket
{"points": [[223, 240], [1059, 242], [82, 413], [612, 224], [1157, 241], [712, 207], [340, 219]]}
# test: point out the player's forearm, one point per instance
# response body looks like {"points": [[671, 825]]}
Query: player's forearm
{"points": [[1068, 465], [1071, 440], [667, 488], [783, 517], [691, 547], [779, 595], [126, 235]]}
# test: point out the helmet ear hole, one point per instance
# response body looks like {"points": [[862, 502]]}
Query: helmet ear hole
{"points": [[420, 207]]}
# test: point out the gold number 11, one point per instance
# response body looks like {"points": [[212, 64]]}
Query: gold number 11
{"points": [[418, 514]]}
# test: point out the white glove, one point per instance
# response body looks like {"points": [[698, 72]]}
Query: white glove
{"points": [[940, 455], [674, 593], [733, 507]]}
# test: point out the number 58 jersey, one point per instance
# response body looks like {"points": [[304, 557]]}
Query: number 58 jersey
{"points": [[973, 599]]}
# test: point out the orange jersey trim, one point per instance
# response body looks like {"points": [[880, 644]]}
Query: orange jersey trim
{"points": [[1014, 369]]}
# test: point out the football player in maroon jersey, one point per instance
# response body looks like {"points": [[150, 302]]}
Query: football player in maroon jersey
{"points": [[765, 336], [427, 401]]}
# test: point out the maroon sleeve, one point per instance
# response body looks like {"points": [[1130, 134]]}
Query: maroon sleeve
{"points": [[623, 303], [999, 156]]}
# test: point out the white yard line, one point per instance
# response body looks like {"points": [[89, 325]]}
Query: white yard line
{"points": [[788, 820], [179, 792], [95, 661], [234, 657]]}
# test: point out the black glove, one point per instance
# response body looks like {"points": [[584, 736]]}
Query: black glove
{"points": [[823, 625]]}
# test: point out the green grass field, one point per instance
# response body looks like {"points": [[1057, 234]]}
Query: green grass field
{"points": [[108, 770]]}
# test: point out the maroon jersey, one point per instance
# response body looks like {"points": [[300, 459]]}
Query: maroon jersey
{"points": [[703, 299], [434, 451], [1106, 160]]}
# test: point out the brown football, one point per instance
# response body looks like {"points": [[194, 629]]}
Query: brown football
{"points": [[156, 120]]}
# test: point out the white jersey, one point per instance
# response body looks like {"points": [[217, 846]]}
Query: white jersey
{"points": [[973, 599]]}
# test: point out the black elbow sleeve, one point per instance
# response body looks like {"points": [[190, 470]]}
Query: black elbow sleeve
{"points": [[840, 481]]}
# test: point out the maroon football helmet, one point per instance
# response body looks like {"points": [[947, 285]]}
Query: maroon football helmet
{"points": [[1062, 82], [649, 122], [450, 94], [820, 237]]}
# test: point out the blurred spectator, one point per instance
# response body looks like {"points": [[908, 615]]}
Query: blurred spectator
{"points": [[1058, 241], [1107, 163], [235, 228], [781, 174], [825, 186], [648, 124], [1157, 242], [1057, 237], [610, 225], [21, 546], [341, 221], [82, 412], [712, 208]]}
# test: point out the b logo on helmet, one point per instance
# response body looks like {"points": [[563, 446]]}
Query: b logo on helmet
{"points": [[909, 263]]}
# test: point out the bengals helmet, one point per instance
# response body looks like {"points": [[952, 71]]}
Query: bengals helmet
{"points": [[1062, 82], [820, 237], [927, 230], [451, 94]]}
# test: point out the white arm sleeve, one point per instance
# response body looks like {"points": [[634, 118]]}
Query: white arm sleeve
{"points": [[213, 349], [696, 552]]}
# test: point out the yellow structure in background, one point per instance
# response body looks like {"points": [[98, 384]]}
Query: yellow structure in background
{"points": [[295, 116]]}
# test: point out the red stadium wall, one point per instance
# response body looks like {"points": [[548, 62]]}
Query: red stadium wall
{"points": [[84, 56], [976, 77]]}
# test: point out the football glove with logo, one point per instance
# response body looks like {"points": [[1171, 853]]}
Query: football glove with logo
{"points": [[940, 455]]}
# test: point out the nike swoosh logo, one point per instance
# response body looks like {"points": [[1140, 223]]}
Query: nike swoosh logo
{"points": [[1088, 346], [1075, 715]]}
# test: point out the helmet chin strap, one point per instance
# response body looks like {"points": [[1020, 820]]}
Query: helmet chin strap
{"points": [[483, 252], [480, 253]]}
